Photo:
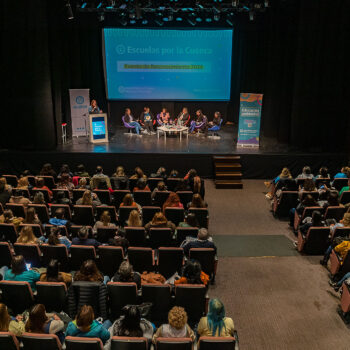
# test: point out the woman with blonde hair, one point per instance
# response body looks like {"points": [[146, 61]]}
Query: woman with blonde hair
{"points": [[26, 236], [176, 327], [285, 174], [23, 183], [14, 325], [105, 221], [89, 198], [134, 219], [6, 185], [31, 217]]}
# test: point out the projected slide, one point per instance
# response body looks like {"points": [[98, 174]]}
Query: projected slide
{"points": [[154, 64]]}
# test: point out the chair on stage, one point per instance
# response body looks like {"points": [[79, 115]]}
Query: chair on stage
{"points": [[128, 126], [215, 129]]}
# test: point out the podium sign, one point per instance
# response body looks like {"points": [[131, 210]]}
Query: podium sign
{"points": [[249, 120], [79, 105], [98, 128]]}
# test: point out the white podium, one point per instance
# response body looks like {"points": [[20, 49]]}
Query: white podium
{"points": [[98, 128]]}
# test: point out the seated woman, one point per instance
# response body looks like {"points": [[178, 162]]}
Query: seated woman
{"points": [[200, 122], [65, 182], [160, 188], [215, 122], [5, 185], [40, 185], [308, 201], [65, 170], [134, 219], [129, 119], [173, 201], [8, 218], [323, 173], [23, 183], [41, 322], [127, 274], [11, 324], [141, 185], [139, 174], [176, 327], [163, 118], [105, 221], [343, 174], [315, 221], [18, 198], [306, 173], [26, 236], [19, 272], [190, 221], [308, 186], [160, 221], [89, 198], [128, 201], [83, 184], [85, 325], [81, 171], [55, 237], [284, 175], [119, 180], [192, 274], [89, 272], [161, 173], [61, 198], [197, 202], [53, 274], [39, 198], [215, 324], [332, 201]]}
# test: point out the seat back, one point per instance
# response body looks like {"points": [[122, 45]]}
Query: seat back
{"points": [[77, 343], [111, 210], [83, 215], [287, 201], [121, 294], [104, 196], [110, 259], [170, 260], [41, 211], [148, 213], [160, 297], [339, 183], [206, 257], [202, 216], [77, 194], [35, 227], [185, 197], [160, 197], [345, 197], [11, 180], [8, 341], [105, 233], [74, 229], [132, 183], [53, 295], [34, 341], [124, 213], [152, 182], [142, 259], [65, 207], [183, 232], [143, 197], [56, 190], [309, 210], [24, 192], [217, 343], [185, 295], [18, 296], [129, 343], [160, 237], [174, 344], [49, 181], [341, 232], [44, 191], [314, 194], [316, 241], [58, 252], [8, 232], [30, 252], [135, 236], [171, 183], [175, 215], [335, 213], [323, 181], [17, 209], [118, 196], [5, 254], [79, 254]]}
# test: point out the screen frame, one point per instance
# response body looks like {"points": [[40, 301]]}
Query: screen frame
{"points": [[99, 140], [158, 28]]}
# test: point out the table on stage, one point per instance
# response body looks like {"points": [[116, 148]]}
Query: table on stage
{"points": [[172, 129]]}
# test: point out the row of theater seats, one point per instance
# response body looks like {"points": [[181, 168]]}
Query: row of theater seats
{"points": [[34, 341], [337, 183], [165, 260]]}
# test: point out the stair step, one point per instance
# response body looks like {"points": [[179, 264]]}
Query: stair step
{"points": [[233, 168], [228, 184], [228, 176], [226, 158]]}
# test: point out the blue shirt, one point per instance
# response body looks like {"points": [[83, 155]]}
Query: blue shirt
{"points": [[340, 176], [96, 331], [88, 241], [26, 276]]}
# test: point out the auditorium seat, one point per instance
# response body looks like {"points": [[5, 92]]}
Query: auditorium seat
{"points": [[30, 252], [11, 180], [56, 190], [111, 210], [143, 198], [322, 181], [202, 216], [110, 258], [44, 191], [174, 344], [65, 207], [171, 183], [35, 227], [58, 252], [105, 233], [185, 197], [8, 341], [160, 297], [8, 232], [160, 197], [341, 232], [74, 229], [314, 194], [31, 180], [16, 295], [315, 242], [41, 211], [5, 254], [53, 295], [335, 213], [345, 197], [25, 193], [153, 182], [118, 196], [129, 343], [175, 215], [132, 183], [142, 259], [49, 181], [298, 219], [185, 294], [206, 257], [337, 267], [83, 215], [283, 204], [121, 294], [217, 343], [1, 209], [35, 341], [183, 232], [345, 301], [77, 343], [160, 237], [79, 254], [135, 236], [77, 194], [104, 196], [148, 213], [17, 209], [339, 183], [124, 213], [170, 260]]}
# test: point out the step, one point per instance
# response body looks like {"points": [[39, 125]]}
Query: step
{"points": [[235, 184], [231, 168], [228, 176], [224, 159]]}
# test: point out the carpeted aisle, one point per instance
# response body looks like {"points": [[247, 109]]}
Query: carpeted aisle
{"points": [[278, 299]]}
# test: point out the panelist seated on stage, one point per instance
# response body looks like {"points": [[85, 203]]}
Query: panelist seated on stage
{"points": [[216, 120], [200, 123], [147, 120], [94, 108], [163, 118], [184, 118], [130, 120]]}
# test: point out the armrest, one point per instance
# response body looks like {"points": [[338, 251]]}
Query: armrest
{"points": [[335, 262]]}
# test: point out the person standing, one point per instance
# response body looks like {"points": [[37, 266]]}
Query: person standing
{"points": [[128, 118], [94, 108], [146, 120]]}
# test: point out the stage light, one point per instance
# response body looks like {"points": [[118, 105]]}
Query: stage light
{"points": [[217, 17], [266, 3], [179, 19], [144, 21], [198, 19], [69, 12], [191, 22], [229, 21], [132, 21], [99, 5], [251, 15], [159, 22], [83, 5], [208, 20], [101, 17]]}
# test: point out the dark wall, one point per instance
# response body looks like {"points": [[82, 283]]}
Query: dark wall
{"points": [[294, 54]]}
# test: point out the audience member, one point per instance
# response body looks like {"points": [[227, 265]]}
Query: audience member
{"points": [[59, 219], [47, 170], [308, 186], [55, 238], [345, 188], [343, 174], [127, 274], [203, 240], [197, 186], [159, 221], [31, 217], [105, 221], [8, 218], [138, 174], [11, 324], [197, 202], [192, 274], [161, 173], [308, 201], [65, 182], [332, 201], [128, 201], [83, 184], [190, 221], [120, 180], [88, 272], [4, 194], [81, 172], [65, 170], [141, 185], [61, 199], [306, 173], [17, 198], [39, 198], [26, 236], [98, 178], [40, 185], [174, 174], [315, 221], [323, 173], [284, 175], [83, 238], [173, 201], [134, 219], [23, 183], [53, 274], [182, 185], [89, 198]]}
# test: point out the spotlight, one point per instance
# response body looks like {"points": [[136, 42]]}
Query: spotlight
{"points": [[144, 21], [191, 22], [83, 5], [179, 19], [69, 12], [159, 22], [251, 15], [229, 21], [266, 3], [208, 20], [101, 17], [217, 17]]}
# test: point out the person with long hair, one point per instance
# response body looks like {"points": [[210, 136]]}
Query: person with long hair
{"points": [[126, 273], [8, 218], [86, 326], [65, 169], [146, 120], [308, 186], [197, 186], [47, 170], [183, 118], [128, 201], [159, 221], [141, 185], [55, 237], [89, 198], [197, 202], [39, 198], [192, 274], [323, 173], [26, 236], [216, 324], [173, 201], [306, 173], [200, 119], [119, 179], [18, 198], [40, 185], [176, 327], [104, 222], [41, 322], [308, 201], [271, 185], [139, 174], [163, 118], [159, 188], [11, 324], [31, 217], [134, 219], [88, 272], [190, 221], [94, 108], [23, 183], [53, 274]]}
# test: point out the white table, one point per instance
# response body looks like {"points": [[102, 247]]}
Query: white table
{"points": [[172, 129]]}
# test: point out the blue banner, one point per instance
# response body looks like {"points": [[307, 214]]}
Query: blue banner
{"points": [[249, 120]]}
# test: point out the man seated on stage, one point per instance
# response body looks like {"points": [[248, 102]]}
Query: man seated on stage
{"points": [[93, 108], [146, 120], [200, 123], [163, 117], [128, 118], [184, 117]]}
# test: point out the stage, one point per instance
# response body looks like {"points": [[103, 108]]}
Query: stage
{"points": [[149, 152]]}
